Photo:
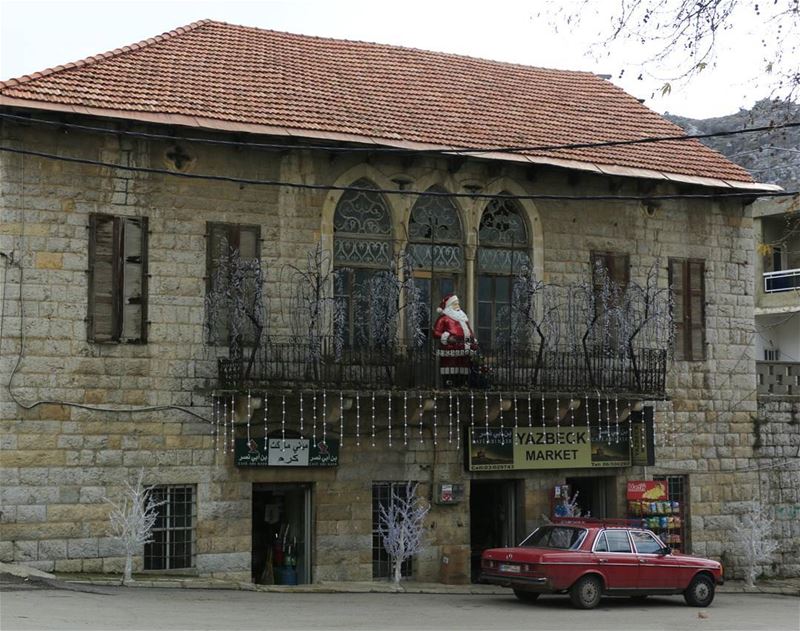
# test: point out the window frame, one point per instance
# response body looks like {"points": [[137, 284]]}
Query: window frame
{"points": [[169, 529], [118, 262], [382, 566], [234, 238], [432, 275], [684, 349], [485, 245], [351, 289]]}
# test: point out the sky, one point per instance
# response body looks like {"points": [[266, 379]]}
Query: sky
{"points": [[35, 35]]}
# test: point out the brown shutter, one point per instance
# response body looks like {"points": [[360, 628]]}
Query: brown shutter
{"points": [[687, 279], [103, 270], [249, 250], [676, 282], [617, 267], [134, 240], [696, 299]]}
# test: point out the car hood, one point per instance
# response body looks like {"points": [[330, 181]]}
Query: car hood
{"points": [[689, 559]]}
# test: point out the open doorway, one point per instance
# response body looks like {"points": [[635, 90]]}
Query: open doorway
{"points": [[595, 495], [493, 518], [281, 534]]}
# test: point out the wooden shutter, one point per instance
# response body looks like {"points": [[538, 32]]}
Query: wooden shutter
{"points": [[223, 239], [218, 249], [117, 278], [104, 269], [687, 280], [134, 279], [617, 267]]}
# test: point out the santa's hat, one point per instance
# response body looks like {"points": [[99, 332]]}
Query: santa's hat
{"points": [[446, 302]]}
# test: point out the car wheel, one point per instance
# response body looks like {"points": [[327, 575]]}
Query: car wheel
{"points": [[586, 592], [526, 597], [700, 592]]}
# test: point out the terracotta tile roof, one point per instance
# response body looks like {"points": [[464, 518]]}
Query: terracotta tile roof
{"points": [[235, 74]]}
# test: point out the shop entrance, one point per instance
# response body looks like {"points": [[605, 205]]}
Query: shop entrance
{"points": [[596, 496], [281, 534], [493, 518]]}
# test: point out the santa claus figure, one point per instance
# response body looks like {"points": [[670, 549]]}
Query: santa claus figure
{"points": [[457, 344]]}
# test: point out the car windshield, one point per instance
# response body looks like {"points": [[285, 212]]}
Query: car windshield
{"points": [[561, 537]]}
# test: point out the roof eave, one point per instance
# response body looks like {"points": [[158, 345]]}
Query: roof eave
{"points": [[271, 130]]}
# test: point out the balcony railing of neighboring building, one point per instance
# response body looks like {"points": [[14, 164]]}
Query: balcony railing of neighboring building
{"points": [[778, 378], [783, 280], [322, 363]]}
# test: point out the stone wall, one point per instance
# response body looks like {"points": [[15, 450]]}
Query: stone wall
{"points": [[60, 459]]}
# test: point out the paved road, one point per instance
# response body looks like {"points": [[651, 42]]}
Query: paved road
{"points": [[117, 608]]}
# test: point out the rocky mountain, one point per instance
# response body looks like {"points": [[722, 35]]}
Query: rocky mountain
{"points": [[772, 157]]}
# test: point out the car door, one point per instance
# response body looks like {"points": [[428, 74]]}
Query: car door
{"points": [[656, 570], [616, 560]]}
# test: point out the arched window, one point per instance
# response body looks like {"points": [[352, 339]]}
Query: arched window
{"points": [[362, 238], [502, 254], [436, 247]]}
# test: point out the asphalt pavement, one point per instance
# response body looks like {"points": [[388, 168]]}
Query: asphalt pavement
{"points": [[36, 604]]}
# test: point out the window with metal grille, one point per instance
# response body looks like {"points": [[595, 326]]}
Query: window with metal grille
{"points": [[677, 491], [687, 280], [382, 496], [173, 545], [117, 279]]}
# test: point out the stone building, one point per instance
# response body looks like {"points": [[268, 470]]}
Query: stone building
{"points": [[222, 253]]}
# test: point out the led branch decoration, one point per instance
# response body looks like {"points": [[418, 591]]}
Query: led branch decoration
{"points": [[132, 520], [310, 307], [236, 305], [401, 527]]}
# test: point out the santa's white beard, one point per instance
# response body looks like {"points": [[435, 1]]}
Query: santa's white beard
{"points": [[460, 317]]}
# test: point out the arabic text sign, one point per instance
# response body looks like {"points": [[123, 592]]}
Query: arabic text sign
{"points": [[287, 452], [572, 447]]}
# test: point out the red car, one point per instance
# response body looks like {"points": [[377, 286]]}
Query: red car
{"points": [[589, 560]]}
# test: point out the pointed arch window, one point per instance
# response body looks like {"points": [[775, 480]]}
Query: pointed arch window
{"points": [[436, 247], [503, 252], [362, 247]]}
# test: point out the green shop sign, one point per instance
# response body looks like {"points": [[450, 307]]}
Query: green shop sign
{"points": [[496, 449], [286, 452]]}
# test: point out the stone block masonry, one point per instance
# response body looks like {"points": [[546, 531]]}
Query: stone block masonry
{"points": [[60, 461]]}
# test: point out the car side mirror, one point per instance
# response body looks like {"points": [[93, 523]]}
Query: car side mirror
{"points": [[665, 551]]}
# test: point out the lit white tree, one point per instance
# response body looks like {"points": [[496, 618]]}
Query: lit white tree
{"points": [[753, 538], [401, 527], [132, 520]]}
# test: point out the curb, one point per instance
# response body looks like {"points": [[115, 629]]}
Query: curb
{"points": [[366, 587]]}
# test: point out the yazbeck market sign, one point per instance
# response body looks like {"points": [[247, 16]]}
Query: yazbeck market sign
{"points": [[567, 448]]}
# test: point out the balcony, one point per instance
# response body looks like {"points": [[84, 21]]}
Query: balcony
{"points": [[783, 280], [778, 378], [286, 363]]}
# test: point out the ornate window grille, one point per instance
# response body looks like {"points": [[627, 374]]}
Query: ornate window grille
{"points": [[436, 248], [502, 254], [362, 246]]}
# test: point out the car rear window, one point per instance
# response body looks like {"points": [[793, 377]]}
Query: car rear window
{"points": [[560, 537]]}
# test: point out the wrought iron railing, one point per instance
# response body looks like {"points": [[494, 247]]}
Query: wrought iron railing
{"points": [[322, 363], [783, 280]]}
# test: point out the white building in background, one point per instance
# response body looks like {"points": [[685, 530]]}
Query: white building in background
{"points": [[777, 293]]}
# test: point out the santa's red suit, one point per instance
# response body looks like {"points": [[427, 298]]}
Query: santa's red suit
{"points": [[457, 343]]}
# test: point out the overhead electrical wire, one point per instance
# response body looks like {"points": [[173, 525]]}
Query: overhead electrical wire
{"points": [[388, 191], [400, 150]]}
